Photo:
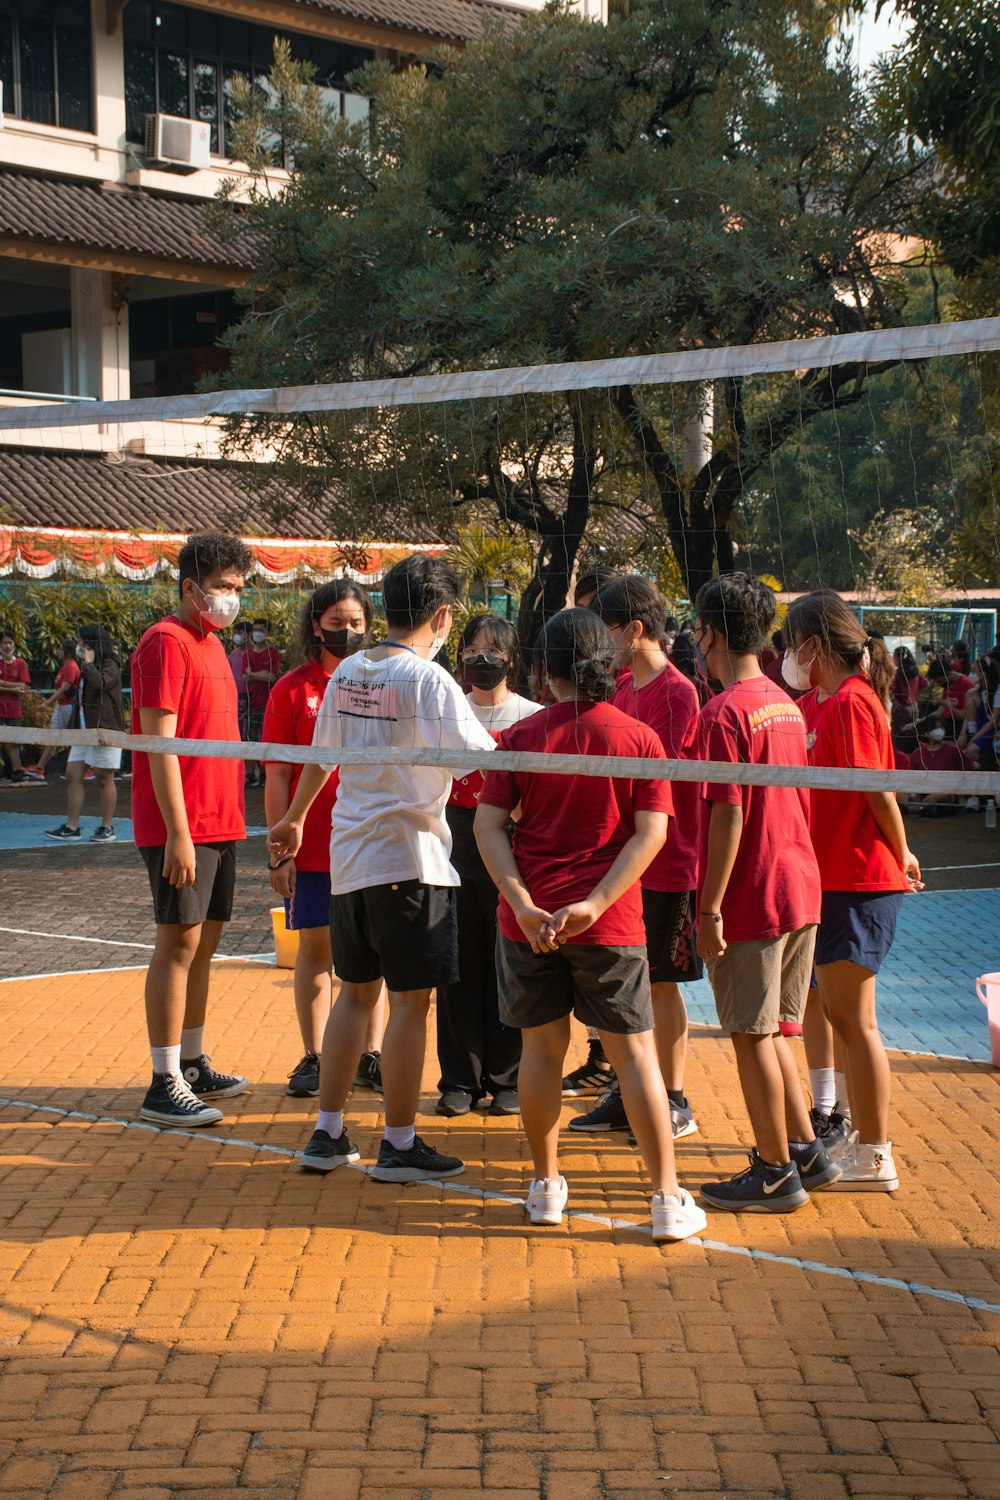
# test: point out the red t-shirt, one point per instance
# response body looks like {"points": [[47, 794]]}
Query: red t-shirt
{"points": [[14, 670], [669, 706], [67, 678], [264, 660], [850, 728], [774, 887], [942, 756], [906, 690], [182, 672], [953, 702], [289, 719], [571, 828]]}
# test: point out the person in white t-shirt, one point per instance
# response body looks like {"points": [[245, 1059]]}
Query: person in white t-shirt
{"points": [[393, 886], [478, 1054]]}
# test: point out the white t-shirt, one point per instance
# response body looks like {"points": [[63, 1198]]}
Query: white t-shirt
{"points": [[497, 717], [388, 821]]}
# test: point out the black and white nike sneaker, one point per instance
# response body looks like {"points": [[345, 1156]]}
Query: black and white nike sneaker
{"points": [[169, 1101], [323, 1153], [202, 1079], [420, 1164], [762, 1189], [816, 1168]]}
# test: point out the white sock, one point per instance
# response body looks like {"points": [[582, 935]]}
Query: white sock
{"points": [[193, 1042], [822, 1082], [593, 1035], [842, 1101], [332, 1121], [401, 1136], [166, 1060]]}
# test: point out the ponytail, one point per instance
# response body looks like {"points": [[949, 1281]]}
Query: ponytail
{"points": [[578, 647]]}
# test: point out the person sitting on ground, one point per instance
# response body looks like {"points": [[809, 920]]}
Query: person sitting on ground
{"points": [[759, 898], [393, 902], [188, 817], [949, 712], [15, 681], [982, 716], [336, 622], [478, 1054], [571, 933], [98, 706], [935, 752], [61, 703]]}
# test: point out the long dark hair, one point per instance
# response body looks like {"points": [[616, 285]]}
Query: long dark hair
{"points": [[97, 638], [841, 634], [319, 602], [578, 647], [500, 637]]}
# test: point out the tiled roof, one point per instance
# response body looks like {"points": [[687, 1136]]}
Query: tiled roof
{"points": [[56, 211], [143, 494], [457, 20]]}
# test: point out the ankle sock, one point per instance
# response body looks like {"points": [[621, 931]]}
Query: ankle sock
{"points": [[401, 1137], [166, 1060], [192, 1042], [823, 1086], [332, 1121], [678, 1098]]}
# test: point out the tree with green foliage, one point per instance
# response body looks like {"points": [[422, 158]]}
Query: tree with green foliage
{"points": [[690, 175]]}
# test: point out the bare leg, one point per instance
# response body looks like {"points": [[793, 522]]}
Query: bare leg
{"points": [[74, 792], [108, 794], [376, 1024], [817, 1033], [167, 980], [670, 1028], [13, 754], [763, 1093], [539, 1082], [848, 992], [344, 1042], [403, 1048], [199, 975], [47, 753], [634, 1059], [313, 985], [798, 1126]]}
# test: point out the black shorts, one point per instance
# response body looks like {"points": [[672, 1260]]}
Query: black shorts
{"points": [[405, 933], [602, 986], [9, 719], [670, 938], [210, 899]]}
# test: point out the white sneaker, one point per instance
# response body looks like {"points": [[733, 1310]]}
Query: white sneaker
{"points": [[868, 1169], [682, 1121], [842, 1150], [546, 1200], [676, 1218]]}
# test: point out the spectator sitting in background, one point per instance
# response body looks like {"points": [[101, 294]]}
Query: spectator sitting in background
{"points": [[61, 703], [982, 717], [949, 714], [905, 689], [15, 679], [961, 657], [936, 753], [261, 671]]}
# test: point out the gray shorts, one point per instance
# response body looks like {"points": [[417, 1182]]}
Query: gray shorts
{"points": [[602, 986], [759, 983]]}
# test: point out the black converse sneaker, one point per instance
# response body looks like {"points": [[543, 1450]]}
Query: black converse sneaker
{"points": [[201, 1078], [169, 1101], [763, 1189], [420, 1164], [303, 1081], [323, 1153], [592, 1077]]}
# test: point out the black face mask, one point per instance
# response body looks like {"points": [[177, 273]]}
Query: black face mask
{"points": [[482, 674], [343, 642]]}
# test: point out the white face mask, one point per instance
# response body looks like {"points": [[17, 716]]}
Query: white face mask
{"points": [[795, 674], [259, 637], [218, 610], [239, 639]]}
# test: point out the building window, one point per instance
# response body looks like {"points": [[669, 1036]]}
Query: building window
{"points": [[173, 341], [182, 62], [45, 62]]}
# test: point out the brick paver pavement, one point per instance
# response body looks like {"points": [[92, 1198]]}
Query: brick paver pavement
{"points": [[196, 1317]]}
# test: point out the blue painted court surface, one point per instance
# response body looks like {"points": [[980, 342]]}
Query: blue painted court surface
{"points": [[27, 831]]}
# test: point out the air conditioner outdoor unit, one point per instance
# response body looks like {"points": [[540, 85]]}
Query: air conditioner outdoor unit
{"points": [[172, 141]]}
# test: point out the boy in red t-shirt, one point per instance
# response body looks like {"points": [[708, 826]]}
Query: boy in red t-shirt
{"points": [[15, 679], [187, 813], [759, 898]]}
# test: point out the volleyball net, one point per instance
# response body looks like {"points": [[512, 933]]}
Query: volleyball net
{"points": [[863, 462]]}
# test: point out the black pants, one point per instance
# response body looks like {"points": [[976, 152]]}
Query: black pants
{"points": [[478, 1054]]}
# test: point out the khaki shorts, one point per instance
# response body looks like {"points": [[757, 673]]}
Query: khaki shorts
{"points": [[759, 983]]}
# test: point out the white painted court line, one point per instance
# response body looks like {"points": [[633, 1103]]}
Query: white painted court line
{"points": [[864, 1278], [993, 864], [218, 958]]}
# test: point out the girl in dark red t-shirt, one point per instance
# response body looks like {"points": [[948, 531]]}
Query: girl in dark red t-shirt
{"points": [[571, 936], [864, 861], [336, 622]]}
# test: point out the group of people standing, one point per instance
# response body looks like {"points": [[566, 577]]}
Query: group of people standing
{"points": [[522, 898]]}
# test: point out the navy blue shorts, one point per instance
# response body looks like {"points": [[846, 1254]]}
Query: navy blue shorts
{"points": [[310, 903], [858, 926]]}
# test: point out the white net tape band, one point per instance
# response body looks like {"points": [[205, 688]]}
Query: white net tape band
{"points": [[836, 778], [974, 335]]}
